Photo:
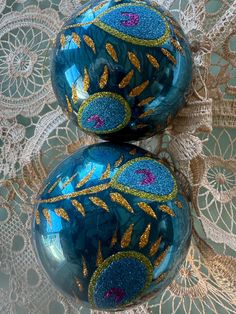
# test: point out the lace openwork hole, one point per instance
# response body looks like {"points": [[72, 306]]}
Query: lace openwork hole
{"points": [[18, 243], [56, 307]]}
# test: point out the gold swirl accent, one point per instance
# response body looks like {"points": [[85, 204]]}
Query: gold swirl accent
{"points": [[99, 255], [63, 40], [119, 161], [79, 285], [86, 80], [111, 51], [99, 6], [153, 61], [147, 209], [69, 181], [168, 55], [118, 198], [145, 101], [179, 204], [47, 216], [98, 202], [114, 239], [104, 77], [166, 209], [74, 93], [62, 213], [106, 173], [177, 33], [136, 91], [125, 81], [146, 113], [37, 217], [90, 43], [177, 46], [79, 207], [85, 268], [55, 184], [126, 239], [76, 39], [86, 178], [155, 246], [134, 60], [160, 258], [69, 107], [145, 237]]}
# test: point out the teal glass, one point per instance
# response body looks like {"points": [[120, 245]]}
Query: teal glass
{"points": [[112, 226], [121, 70]]}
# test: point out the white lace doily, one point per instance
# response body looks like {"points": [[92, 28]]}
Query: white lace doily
{"points": [[35, 135]]}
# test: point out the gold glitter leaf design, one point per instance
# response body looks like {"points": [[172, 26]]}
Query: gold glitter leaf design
{"points": [[119, 161], [133, 151], [74, 93], [146, 113], [111, 51], [98, 202], [145, 101], [90, 43], [155, 246], [126, 239], [86, 80], [160, 278], [69, 107], [114, 239], [168, 55], [99, 255], [136, 91], [177, 33], [177, 46], [86, 178], [134, 60], [79, 285], [179, 204], [147, 209], [125, 81], [153, 61], [104, 77], [62, 213], [160, 258], [106, 173], [145, 237], [99, 6], [79, 207], [166, 209], [63, 40], [55, 184], [47, 216], [118, 198], [85, 268], [76, 39], [37, 217], [83, 10], [69, 181], [141, 126]]}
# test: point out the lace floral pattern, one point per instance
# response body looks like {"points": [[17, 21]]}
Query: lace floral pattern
{"points": [[35, 135]]}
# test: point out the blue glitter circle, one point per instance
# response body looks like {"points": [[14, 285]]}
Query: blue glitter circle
{"points": [[104, 113], [120, 279], [146, 177]]}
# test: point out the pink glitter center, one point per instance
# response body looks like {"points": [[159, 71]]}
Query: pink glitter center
{"points": [[132, 21], [98, 121], [118, 293], [149, 178]]}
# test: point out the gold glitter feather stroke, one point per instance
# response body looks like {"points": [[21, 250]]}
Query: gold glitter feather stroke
{"points": [[86, 81], [86, 178], [63, 40], [118, 198], [168, 55], [177, 46], [79, 207], [106, 173], [62, 213], [76, 39], [126, 80], [90, 43], [119, 161], [134, 60], [166, 209], [85, 268], [98, 202], [47, 216], [55, 184], [99, 6], [145, 101], [69, 106], [126, 238], [79, 285], [146, 113], [160, 258], [153, 61], [177, 33], [37, 217], [178, 204], [147, 209], [69, 181], [145, 237], [74, 94], [155, 246], [114, 239], [104, 77], [136, 91], [133, 152], [111, 51], [99, 255]]}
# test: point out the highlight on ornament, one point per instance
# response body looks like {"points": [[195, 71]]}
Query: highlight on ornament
{"points": [[121, 69], [112, 226]]}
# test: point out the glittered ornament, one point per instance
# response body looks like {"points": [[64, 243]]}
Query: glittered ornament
{"points": [[121, 69], [112, 226]]}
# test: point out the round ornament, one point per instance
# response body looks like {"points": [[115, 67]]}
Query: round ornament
{"points": [[121, 69], [112, 226]]}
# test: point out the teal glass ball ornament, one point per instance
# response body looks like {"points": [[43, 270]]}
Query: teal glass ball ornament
{"points": [[112, 226], [121, 69]]}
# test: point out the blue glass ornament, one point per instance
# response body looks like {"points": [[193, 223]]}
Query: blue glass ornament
{"points": [[121, 69], [112, 226]]}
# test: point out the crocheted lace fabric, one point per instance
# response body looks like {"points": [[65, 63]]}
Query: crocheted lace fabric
{"points": [[35, 135]]}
